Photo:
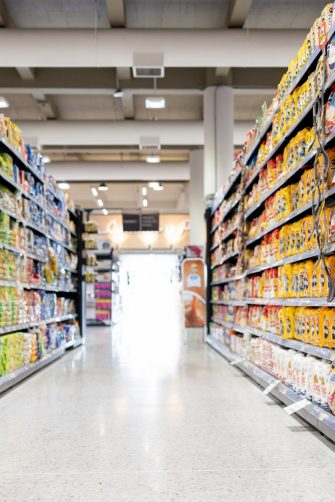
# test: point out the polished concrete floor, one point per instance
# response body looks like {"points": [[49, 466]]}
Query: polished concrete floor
{"points": [[142, 416]]}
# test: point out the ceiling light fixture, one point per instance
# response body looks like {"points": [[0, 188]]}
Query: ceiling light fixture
{"points": [[3, 102], [153, 184], [158, 187], [144, 191], [46, 159], [64, 185], [103, 187], [105, 212], [118, 93], [100, 203], [153, 159], [145, 202], [95, 192], [155, 103]]}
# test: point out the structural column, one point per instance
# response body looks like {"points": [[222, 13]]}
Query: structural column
{"points": [[196, 198], [218, 136]]}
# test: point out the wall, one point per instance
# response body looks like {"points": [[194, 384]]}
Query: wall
{"points": [[173, 234]]}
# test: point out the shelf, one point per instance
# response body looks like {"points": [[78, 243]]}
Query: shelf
{"points": [[235, 303], [8, 381], [228, 279], [226, 258], [18, 159], [213, 230], [306, 207], [226, 190], [215, 246], [281, 182], [316, 416], [287, 135], [291, 302], [33, 324], [292, 87]]}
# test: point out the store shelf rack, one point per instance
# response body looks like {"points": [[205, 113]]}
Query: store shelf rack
{"points": [[316, 416]]}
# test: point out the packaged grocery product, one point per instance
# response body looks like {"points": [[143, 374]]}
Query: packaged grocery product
{"points": [[330, 111], [287, 322]]}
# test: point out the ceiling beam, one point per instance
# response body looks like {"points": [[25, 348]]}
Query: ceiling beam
{"points": [[26, 73], [238, 13], [181, 48], [119, 171], [122, 133], [116, 13], [47, 108], [128, 105]]}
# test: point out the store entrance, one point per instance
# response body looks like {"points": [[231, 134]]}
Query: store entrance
{"points": [[150, 328]]}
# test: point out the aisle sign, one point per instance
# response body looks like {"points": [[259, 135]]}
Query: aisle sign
{"points": [[194, 292]]}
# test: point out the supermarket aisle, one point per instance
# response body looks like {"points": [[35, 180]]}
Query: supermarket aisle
{"points": [[140, 417]]}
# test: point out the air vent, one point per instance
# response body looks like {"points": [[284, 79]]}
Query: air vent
{"points": [[148, 65], [150, 143]]}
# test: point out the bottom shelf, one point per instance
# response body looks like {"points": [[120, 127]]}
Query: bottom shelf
{"points": [[8, 381], [320, 419]]}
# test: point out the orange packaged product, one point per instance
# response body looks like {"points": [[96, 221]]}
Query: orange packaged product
{"points": [[271, 172]]}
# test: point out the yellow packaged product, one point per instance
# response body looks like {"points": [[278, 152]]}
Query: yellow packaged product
{"points": [[322, 277], [284, 202], [327, 324], [306, 278], [308, 233], [286, 322], [298, 323], [294, 196], [283, 239]]}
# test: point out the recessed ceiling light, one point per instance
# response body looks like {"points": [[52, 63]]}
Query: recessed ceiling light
{"points": [[145, 202], [3, 102], [153, 184], [118, 93], [153, 159], [100, 203], [64, 185], [103, 187], [158, 187], [46, 159], [144, 191], [105, 212], [94, 191], [155, 103]]}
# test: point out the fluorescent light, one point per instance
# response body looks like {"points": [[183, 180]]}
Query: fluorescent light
{"points": [[118, 93], [158, 187], [103, 187], [104, 211], [100, 203], [63, 185], [3, 102], [46, 159], [94, 191], [153, 159], [144, 191], [153, 184], [155, 103], [145, 202]]}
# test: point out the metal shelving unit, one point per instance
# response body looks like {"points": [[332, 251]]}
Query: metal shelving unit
{"points": [[316, 416], [319, 418], [10, 379]]}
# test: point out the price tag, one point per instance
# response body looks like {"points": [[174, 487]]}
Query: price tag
{"points": [[237, 361], [298, 405], [270, 387]]}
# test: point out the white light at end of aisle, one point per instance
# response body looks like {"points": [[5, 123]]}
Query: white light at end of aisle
{"points": [[3, 102], [46, 159], [158, 187], [100, 203], [64, 185], [155, 103], [94, 191], [144, 191], [145, 202], [104, 211], [153, 184], [153, 159], [103, 187]]}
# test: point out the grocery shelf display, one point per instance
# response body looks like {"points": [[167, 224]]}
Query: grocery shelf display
{"points": [[271, 239], [40, 255], [98, 269]]}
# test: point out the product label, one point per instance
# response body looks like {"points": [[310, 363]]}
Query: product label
{"points": [[270, 387], [298, 405]]}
